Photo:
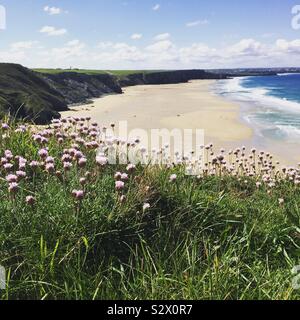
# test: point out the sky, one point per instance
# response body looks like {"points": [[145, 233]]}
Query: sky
{"points": [[150, 34]]}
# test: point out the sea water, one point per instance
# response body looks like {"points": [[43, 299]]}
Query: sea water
{"points": [[269, 104]]}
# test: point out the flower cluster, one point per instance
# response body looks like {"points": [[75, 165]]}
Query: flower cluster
{"points": [[84, 149]]}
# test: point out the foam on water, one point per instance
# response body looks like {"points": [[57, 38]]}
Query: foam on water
{"points": [[275, 117], [261, 96]]}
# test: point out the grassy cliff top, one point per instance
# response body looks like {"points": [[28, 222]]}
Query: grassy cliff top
{"points": [[25, 94], [73, 226], [94, 72]]}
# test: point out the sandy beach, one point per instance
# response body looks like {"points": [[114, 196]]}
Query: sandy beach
{"points": [[190, 105], [183, 106]]}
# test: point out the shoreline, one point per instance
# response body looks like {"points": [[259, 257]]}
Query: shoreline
{"points": [[191, 105], [184, 106], [286, 151]]}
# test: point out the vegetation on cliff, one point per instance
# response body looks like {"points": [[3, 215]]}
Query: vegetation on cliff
{"points": [[73, 226], [24, 94]]}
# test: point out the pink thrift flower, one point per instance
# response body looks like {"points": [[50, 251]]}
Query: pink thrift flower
{"points": [[49, 167], [82, 181], [118, 175], [13, 187], [58, 174], [146, 206], [34, 164], [49, 160], [72, 151], [30, 200], [3, 161], [124, 177], [11, 178], [5, 126], [43, 153], [37, 138], [101, 160], [173, 178], [67, 166], [8, 155], [66, 158], [8, 166], [78, 155], [120, 185], [88, 174], [21, 174], [22, 166], [78, 194], [82, 162]]}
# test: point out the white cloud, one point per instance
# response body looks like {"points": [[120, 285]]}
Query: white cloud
{"points": [[22, 45], [13, 57], [161, 54], [246, 47], [117, 53], [52, 31], [71, 52], [160, 46], [288, 46], [197, 23], [104, 45], [53, 10], [197, 52], [136, 36], [162, 36], [156, 7], [75, 42]]}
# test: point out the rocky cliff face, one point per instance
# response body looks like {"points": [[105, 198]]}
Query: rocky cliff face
{"points": [[78, 88], [167, 77]]}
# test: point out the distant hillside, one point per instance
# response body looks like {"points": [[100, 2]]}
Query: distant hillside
{"points": [[167, 77], [27, 95], [245, 72]]}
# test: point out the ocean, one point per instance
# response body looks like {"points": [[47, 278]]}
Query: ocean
{"points": [[269, 104]]}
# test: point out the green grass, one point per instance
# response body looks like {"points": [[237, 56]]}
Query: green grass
{"points": [[213, 238], [121, 73], [25, 95]]}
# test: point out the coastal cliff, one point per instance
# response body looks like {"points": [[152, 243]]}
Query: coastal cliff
{"points": [[40, 96], [167, 77], [26, 95], [79, 88]]}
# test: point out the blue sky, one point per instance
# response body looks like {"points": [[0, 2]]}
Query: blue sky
{"points": [[140, 34]]}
